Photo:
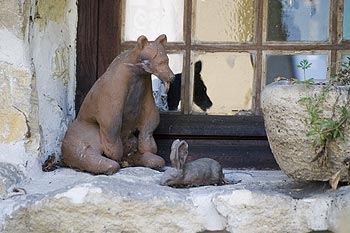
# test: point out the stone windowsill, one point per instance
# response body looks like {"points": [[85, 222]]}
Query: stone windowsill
{"points": [[133, 201]]}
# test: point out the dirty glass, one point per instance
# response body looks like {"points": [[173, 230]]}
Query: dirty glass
{"points": [[346, 20], [223, 83], [224, 20], [159, 93], [286, 66], [298, 20], [345, 57], [152, 18]]}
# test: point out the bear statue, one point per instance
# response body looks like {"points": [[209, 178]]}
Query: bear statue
{"points": [[117, 118]]}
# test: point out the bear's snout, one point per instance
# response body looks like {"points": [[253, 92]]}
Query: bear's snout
{"points": [[166, 76], [171, 78]]}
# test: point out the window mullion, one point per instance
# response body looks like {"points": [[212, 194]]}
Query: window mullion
{"points": [[259, 61], [333, 33], [186, 84]]}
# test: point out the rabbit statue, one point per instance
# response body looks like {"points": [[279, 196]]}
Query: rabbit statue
{"points": [[204, 171]]}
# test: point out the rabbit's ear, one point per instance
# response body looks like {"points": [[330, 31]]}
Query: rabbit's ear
{"points": [[174, 155], [182, 153]]}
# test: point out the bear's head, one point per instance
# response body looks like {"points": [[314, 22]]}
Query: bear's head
{"points": [[154, 59]]}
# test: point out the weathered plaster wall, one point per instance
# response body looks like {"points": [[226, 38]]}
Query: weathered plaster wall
{"points": [[53, 54], [37, 79]]}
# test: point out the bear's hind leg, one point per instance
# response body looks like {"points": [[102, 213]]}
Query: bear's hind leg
{"points": [[92, 161], [81, 149]]}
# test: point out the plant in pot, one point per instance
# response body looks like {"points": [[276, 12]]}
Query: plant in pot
{"points": [[308, 126]]}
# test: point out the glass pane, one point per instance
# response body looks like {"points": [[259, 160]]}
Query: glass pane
{"points": [[164, 103], [346, 20], [345, 57], [298, 20], [287, 66], [223, 83], [224, 20], [152, 18]]}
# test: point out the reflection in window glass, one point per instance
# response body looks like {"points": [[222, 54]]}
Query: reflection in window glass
{"points": [[223, 83], [346, 20], [298, 20], [286, 66], [345, 58], [152, 18], [224, 20], [158, 87]]}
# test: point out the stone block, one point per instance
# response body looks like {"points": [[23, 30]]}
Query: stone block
{"points": [[133, 201]]}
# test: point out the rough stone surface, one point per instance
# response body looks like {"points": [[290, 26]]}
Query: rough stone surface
{"points": [[50, 10], [133, 201], [9, 175], [37, 74], [14, 16], [286, 131], [54, 58], [14, 99]]}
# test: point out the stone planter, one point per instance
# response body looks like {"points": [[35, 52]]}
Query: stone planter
{"points": [[286, 131]]}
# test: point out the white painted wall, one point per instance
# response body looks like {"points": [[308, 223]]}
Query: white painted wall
{"points": [[37, 79]]}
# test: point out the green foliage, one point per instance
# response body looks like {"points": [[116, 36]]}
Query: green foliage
{"points": [[309, 81], [304, 65], [323, 129]]}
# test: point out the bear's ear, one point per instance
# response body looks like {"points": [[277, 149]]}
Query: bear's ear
{"points": [[161, 39], [142, 42]]}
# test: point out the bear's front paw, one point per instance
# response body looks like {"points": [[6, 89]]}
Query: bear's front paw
{"points": [[146, 160]]}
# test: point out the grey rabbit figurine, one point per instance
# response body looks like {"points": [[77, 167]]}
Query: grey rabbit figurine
{"points": [[204, 171]]}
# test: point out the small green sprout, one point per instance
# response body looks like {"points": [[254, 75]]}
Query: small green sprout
{"points": [[304, 65]]}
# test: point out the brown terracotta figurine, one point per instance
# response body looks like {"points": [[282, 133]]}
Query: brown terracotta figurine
{"points": [[118, 116]]}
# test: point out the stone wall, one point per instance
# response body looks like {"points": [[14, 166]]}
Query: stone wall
{"points": [[133, 201], [37, 79]]}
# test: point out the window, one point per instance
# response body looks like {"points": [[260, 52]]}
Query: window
{"points": [[226, 52], [242, 46]]}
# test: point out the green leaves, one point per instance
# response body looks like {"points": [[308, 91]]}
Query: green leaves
{"points": [[322, 127], [344, 111], [309, 81], [304, 64], [305, 100]]}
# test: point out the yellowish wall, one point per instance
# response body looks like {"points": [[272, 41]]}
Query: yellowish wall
{"points": [[37, 79]]}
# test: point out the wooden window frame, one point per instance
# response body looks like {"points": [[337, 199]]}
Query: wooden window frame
{"points": [[100, 40]]}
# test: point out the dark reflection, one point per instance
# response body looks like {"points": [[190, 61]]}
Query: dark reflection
{"points": [[298, 20], [279, 65], [200, 96], [276, 31]]}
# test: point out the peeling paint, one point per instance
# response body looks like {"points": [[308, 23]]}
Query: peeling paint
{"points": [[37, 79], [49, 10], [60, 64], [14, 16]]}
